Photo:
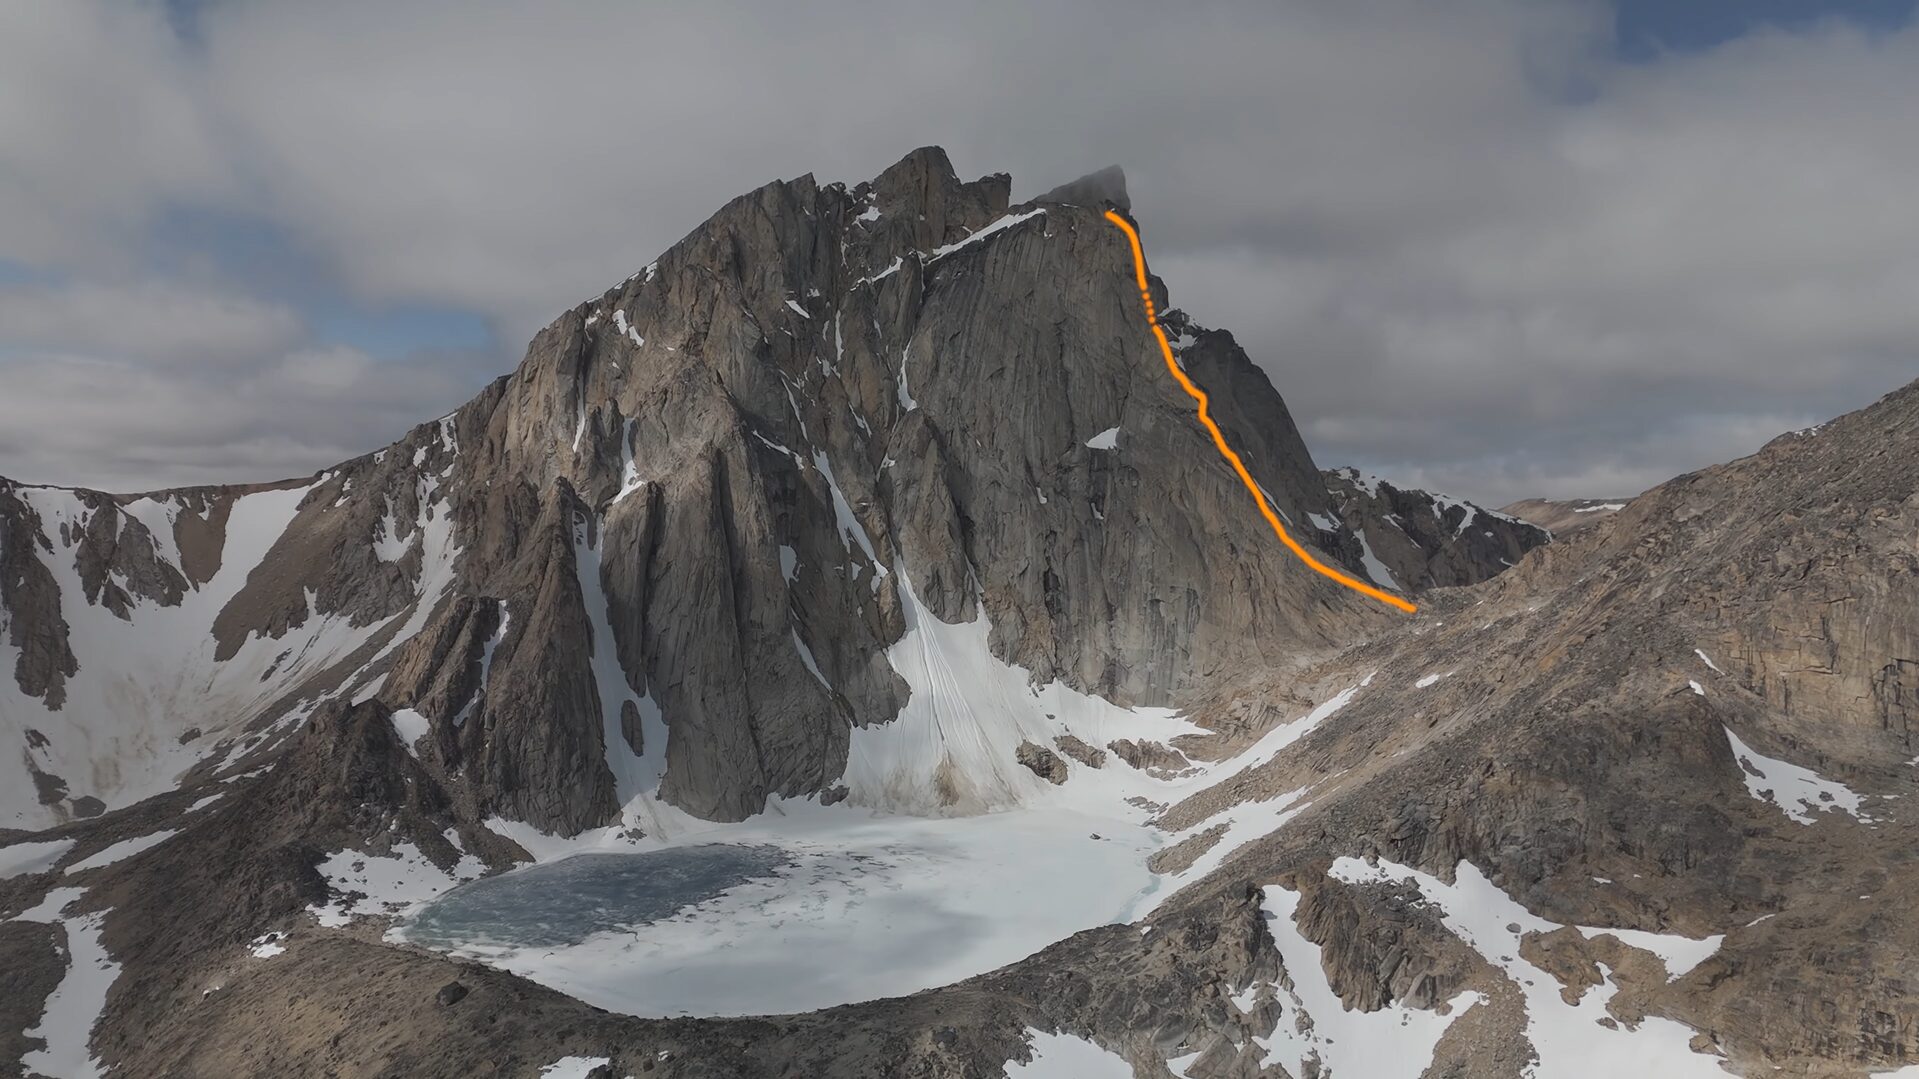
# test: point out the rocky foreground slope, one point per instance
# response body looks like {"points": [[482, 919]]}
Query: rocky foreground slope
{"points": [[789, 522]]}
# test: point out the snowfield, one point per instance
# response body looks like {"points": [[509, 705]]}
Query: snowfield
{"points": [[144, 681], [141, 682]]}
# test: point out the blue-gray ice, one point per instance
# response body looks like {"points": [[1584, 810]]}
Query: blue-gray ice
{"points": [[565, 902]]}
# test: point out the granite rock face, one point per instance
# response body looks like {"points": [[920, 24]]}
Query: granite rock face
{"points": [[689, 515]]}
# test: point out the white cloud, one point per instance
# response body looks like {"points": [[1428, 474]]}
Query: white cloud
{"points": [[101, 124], [150, 320], [125, 425]]}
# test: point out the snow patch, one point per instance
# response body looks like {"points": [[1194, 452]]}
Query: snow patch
{"points": [[385, 884], [806, 658], [486, 667], [1245, 823], [158, 517], [1798, 792], [1105, 440], [1062, 1056], [573, 1067], [630, 480], [1286, 734], [37, 856], [907, 404], [891, 269], [626, 328], [388, 544], [850, 529], [411, 726], [1367, 483], [126, 848], [997, 226], [547, 847], [1375, 569]]}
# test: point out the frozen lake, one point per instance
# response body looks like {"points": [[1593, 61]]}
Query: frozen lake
{"points": [[794, 910], [565, 902]]}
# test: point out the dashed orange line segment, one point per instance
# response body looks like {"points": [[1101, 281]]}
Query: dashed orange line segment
{"points": [[1219, 440]]}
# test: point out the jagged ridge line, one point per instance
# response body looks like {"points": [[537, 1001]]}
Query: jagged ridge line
{"points": [[1219, 440]]}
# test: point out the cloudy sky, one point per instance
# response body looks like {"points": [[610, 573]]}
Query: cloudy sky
{"points": [[1499, 248]]}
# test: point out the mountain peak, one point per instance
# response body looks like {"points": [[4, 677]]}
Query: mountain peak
{"points": [[1107, 185]]}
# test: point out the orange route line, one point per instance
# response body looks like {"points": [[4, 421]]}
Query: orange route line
{"points": [[1219, 440]]}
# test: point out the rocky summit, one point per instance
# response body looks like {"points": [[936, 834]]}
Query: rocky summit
{"points": [[836, 650]]}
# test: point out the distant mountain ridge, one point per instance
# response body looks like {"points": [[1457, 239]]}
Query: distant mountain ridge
{"points": [[1565, 514], [1418, 540]]}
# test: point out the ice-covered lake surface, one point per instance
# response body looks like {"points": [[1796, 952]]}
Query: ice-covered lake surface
{"points": [[802, 908], [602, 893]]}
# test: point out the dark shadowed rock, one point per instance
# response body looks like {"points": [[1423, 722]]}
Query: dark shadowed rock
{"points": [[1076, 748], [1148, 755], [1419, 540], [1042, 762]]}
